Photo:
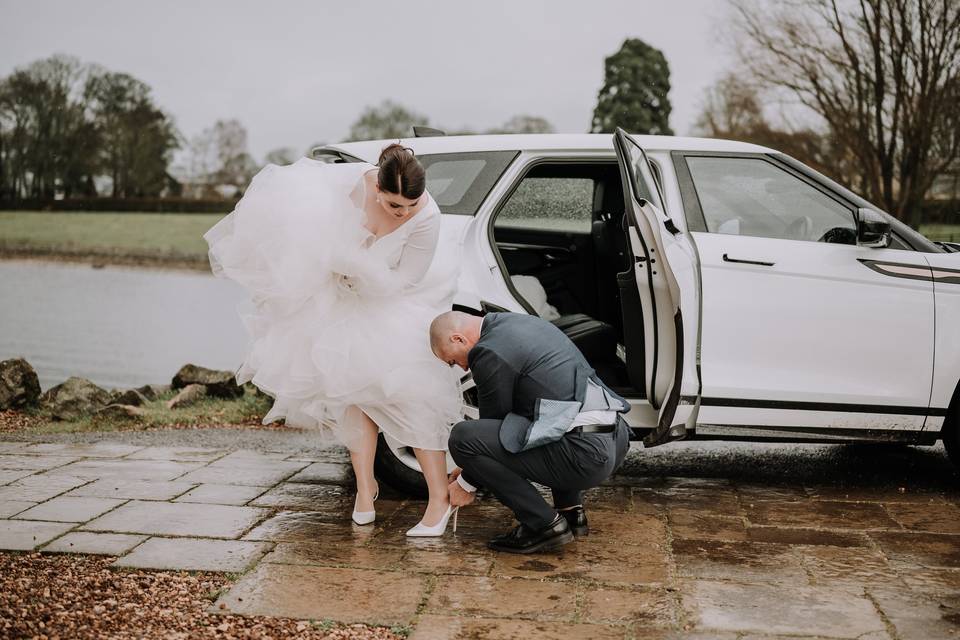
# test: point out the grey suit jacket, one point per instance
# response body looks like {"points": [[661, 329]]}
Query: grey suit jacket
{"points": [[533, 378]]}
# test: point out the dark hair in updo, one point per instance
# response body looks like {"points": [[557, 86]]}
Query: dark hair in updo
{"points": [[400, 172]]}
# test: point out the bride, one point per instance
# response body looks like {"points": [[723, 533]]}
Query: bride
{"points": [[342, 265]]}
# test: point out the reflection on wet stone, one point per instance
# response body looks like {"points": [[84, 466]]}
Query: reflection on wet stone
{"points": [[807, 537], [742, 561], [827, 515], [927, 549], [933, 517], [308, 526], [347, 595], [686, 523], [325, 553], [503, 597]]}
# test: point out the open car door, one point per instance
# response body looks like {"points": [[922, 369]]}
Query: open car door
{"points": [[650, 294]]}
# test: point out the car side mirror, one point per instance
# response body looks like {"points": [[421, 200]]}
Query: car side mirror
{"points": [[873, 229]]}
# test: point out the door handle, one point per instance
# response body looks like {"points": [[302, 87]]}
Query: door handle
{"points": [[759, 263]]}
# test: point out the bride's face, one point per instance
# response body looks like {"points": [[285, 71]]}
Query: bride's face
{"points": [[395, 205]]}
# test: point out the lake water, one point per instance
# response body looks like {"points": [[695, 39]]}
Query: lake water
{"points": [[117, 326]]}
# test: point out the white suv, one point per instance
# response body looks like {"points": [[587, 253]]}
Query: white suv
{"points": [[727, 290]]}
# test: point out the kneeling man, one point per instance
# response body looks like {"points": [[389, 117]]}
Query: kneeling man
{"points": [[545, 417]]}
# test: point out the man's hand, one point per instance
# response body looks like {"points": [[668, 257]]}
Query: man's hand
{"points": [[459, 497]]}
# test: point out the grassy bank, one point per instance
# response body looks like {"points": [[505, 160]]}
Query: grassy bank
{"points": [[157, 239], [246, 411], [150, 239]]}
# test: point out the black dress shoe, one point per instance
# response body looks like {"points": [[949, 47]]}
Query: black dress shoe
{"points": [[525, 540], [577, 519]]}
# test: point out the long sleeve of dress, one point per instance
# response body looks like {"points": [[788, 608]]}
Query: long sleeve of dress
{"points": [[377, 278]]}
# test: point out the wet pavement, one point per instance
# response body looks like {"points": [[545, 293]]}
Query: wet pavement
{"points": [[692, 541]]}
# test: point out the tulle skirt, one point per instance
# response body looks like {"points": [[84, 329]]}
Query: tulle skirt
{"points": [[316, 346]]}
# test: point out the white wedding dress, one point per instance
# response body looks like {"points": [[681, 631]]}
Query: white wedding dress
{"points": [[341, 317]]}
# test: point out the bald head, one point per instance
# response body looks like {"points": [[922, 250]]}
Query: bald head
{"points": [[452, 335]]}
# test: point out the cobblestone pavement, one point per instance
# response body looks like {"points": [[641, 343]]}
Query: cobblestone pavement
{"points": [[668, 557]]}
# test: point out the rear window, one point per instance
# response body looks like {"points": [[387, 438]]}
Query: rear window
{"points": [[459, 182]]}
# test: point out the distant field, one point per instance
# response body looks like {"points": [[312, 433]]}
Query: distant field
{"points": [[157, 236], [947, 232], [174, 238]]}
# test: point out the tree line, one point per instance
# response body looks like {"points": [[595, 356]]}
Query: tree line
{"points": [[866, 92], [63, 124]]}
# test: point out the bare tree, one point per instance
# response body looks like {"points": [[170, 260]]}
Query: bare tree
{"points": [[884, 75], [385, 121], [734, 109]]}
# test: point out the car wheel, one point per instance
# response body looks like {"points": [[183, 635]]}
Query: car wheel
{"points": [[396, 464], [951, 430]]}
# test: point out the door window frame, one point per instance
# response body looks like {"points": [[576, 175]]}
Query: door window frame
{"points": [[693, 211], [522, 172]]}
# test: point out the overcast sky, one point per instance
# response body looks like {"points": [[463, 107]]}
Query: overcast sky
{"points": [[299, 72]]}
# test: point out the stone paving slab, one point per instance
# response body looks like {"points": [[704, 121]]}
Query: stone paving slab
{"points": [[24, 535], [37, 488], [503, 597], [70, 509], [104, 544], [178, 454], [926, 549], [33, 463], [9, 475], [808, 611], [824, 515], [645, 608], [194, 555], [133, 489], [931, 517], [325, 473], [98, 450], [157, 470], [178, 519], [10, 508], [439, 627], [230, 494], [355, 595], [244, 471]]}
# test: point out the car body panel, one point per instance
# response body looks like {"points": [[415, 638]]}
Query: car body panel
{"points": [[858, 377]]}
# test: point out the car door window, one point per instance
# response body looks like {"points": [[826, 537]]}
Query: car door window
{"points": [[753, 197], [550, 203]]}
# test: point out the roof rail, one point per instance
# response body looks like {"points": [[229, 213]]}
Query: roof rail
{"points": [[420, 131]]}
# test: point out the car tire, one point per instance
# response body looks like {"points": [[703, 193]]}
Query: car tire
{"points": [[391, 470], [951, 430]]}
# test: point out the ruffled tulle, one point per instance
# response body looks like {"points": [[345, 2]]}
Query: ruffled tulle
{"points": [[321, 343]]}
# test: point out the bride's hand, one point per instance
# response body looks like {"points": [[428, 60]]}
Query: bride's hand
{"points": [[346, 283]]}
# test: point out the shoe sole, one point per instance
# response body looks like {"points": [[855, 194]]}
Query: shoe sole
{"points": [[546, 545]]}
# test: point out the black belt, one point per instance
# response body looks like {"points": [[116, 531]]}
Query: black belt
{"points": [[594, 428]]}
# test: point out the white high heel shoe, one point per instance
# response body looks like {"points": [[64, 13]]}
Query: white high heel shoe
{"points": [[423, 531], [364, 517]]}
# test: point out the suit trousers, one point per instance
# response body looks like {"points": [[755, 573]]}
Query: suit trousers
{"points": [[568, 466]]}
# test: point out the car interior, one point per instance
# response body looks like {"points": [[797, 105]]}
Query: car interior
{"points": [[562, 224]]}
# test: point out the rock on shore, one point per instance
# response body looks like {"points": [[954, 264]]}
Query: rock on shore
{"points": [[218, 384], [19, 384], [74, 398]]}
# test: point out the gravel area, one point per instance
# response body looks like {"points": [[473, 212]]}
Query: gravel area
{"points": [[65, 596]]}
